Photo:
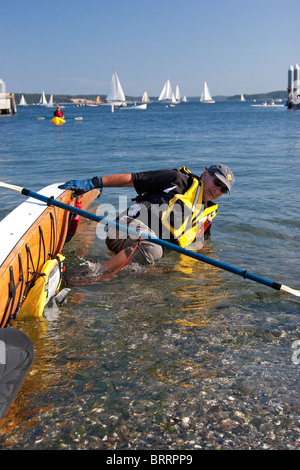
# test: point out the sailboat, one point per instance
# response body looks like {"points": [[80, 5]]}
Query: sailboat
{"points": [[174, 100], [242, 97], [166, 92], [116, 95], [184, 99], [50, 104], [205, 95], [43, 100], [22, 101], [145, 97], [98, 100]]}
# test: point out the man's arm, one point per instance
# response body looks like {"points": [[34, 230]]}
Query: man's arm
{"points": [[82, 186], [121, 180]]}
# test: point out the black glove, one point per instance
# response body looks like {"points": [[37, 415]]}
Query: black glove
{"points": [[82, 186]]}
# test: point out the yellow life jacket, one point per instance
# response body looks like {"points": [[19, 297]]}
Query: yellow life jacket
{"points": [[44, 288], [191, 218]]}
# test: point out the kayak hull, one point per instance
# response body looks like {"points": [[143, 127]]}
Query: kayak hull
{"points": [[31, 235], [57, 121]]}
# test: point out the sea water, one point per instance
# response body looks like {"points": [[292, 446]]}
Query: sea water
{"points": [[180, 355]]}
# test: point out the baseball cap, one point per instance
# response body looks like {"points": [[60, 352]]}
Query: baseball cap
{"points": [[223, 173]]}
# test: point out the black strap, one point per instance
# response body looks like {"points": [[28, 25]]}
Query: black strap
{"points": [[49, 200]]}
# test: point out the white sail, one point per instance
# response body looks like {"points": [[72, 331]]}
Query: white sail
{"points": [[50, 101], [43, 100], [242, 97], [22, 101], [166, 93], [177, 93], [205, 95], [115, 93], [173, 100], [145, 98], [184, 99]]}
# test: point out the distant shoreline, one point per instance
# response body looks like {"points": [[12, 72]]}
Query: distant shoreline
{"points": [[33, 98]]}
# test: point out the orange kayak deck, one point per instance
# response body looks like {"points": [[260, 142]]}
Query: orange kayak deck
{"points": [[32, 234]]}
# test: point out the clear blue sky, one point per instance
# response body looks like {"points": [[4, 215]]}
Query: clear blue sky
{"points": [[72, 46]]}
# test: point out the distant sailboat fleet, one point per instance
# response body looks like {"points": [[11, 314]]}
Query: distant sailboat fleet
{"points": [[42, 102], [116, 97], [168, 95]]}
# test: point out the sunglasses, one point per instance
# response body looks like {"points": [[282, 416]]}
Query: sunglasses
{"points": [[218, 184]]}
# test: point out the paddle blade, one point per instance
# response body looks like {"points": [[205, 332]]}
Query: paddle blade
{"points": [[290, 291], [12, 187]]}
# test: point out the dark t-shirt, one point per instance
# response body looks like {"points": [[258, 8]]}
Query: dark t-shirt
{"points": [[161, 182], [155, 189]]}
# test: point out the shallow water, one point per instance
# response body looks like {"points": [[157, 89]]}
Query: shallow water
{"points": [[181, 355]]}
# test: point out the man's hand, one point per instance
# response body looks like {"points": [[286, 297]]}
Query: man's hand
{"points": [[82, 186]]}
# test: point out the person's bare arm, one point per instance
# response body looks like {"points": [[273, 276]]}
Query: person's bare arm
{"points": [[121, 180]]}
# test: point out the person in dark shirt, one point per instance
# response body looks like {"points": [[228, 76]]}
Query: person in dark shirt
{"points": [[156, 190]]}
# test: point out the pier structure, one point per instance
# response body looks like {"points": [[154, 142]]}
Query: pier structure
{"points": [[294, 80], [7, 100]]}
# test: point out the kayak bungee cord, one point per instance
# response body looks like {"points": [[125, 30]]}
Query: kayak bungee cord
{"points": [[219, 264]]}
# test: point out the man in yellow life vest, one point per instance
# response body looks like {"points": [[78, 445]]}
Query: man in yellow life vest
{"points": [[174, 205]]}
